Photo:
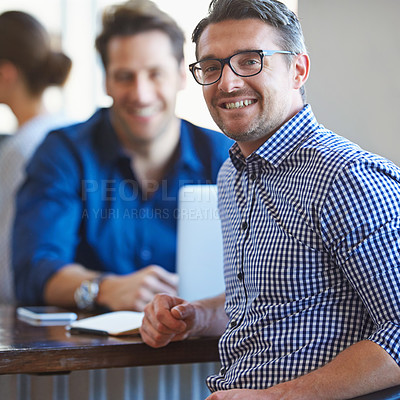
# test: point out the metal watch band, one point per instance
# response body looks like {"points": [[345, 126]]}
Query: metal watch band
{"points": [[86, 294]]}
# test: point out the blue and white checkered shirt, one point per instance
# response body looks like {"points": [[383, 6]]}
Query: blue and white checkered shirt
{"points": [[311, 226]]}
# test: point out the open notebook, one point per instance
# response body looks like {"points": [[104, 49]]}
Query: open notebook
{"points": [[116, 323], [199, 246]]}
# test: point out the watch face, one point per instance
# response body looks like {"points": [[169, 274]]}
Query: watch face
{"points": [[86, 294]]}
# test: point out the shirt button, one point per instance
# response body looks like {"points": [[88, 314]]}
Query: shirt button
{"points": [[240, 276], [233, 324], [253, 176], [145, 254], [244, 225], [222, 371]]}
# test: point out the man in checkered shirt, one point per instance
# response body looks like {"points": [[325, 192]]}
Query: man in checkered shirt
{"points": [[311, 228]]}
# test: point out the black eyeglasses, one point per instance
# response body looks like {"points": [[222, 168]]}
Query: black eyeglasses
{"points": [[245, 63]]}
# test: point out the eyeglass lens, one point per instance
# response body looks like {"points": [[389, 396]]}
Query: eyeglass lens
{"points": [[244, 64]]}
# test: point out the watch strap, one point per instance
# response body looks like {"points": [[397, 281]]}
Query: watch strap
{"points": [[86, 294]]}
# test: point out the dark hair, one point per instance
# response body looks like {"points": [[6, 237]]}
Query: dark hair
{"points": [[25, 43], [272, 12], [136, 16]]}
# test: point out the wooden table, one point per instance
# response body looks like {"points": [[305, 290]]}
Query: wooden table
{"points": [[27, 349], [52, 349]]}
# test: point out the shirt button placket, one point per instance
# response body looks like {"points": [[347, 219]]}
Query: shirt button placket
{"points": [[244, 226]]}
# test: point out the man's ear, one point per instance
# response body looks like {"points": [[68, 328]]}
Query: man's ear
{"points": [[301, 69], [106, 82], [182, 75], [8, 72]]}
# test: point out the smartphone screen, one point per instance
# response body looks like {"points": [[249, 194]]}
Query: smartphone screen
{"points": [[46, 313]]}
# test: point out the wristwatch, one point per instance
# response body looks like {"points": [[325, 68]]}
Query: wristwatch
{"points": [[86, 294]]}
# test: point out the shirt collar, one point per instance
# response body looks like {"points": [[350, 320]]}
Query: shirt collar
{"points": [[188, 155], [106, 138], [113, 150], [278, 147]]}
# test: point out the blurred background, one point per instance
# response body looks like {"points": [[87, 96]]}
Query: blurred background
{"points": [[354, 86]]}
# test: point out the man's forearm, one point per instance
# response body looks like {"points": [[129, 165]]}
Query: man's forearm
{"points": [[214, 318], [362, 368], [60, 288]]}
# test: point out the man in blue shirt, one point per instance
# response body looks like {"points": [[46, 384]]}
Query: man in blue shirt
{"points": [[311, 228], [96, 217]]}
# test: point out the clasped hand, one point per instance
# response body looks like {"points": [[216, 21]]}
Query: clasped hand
{"points": [[134, 291], [167, 319]]}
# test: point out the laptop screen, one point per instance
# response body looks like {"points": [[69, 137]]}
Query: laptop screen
{"points": [[199, 243]]}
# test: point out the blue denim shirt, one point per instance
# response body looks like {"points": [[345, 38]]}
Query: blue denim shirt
{"points": [[81, 203]]}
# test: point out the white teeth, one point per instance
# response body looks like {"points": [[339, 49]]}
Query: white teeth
{"points": [[238, 104], [145, 112]]}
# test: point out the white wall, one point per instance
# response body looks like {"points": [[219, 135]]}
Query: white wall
{"points": [[354, 85]]}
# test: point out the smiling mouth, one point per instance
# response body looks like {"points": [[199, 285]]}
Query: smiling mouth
{"points": [[144, 112], [238, 104]]}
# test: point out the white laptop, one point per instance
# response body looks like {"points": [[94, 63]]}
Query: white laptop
{"points": [[199, 243]]}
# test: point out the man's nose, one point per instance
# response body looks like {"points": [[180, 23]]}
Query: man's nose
{"points": [[229, 81], [142, 89]]}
